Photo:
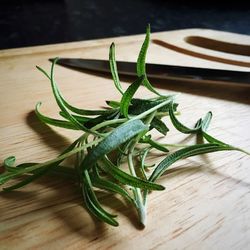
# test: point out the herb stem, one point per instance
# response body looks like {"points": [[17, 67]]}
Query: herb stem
{"points": [[175, 145], [137, 192], [241, 150], [160, 114], [109, 122], [8, 176]]}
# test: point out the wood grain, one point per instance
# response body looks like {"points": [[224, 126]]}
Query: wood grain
{"points": [[206, 204]]}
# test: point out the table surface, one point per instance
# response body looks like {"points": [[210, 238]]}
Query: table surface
{"points": [[206, 204]]}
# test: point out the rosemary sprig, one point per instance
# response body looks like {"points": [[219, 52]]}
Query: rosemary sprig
{"points": [[125, 127]]}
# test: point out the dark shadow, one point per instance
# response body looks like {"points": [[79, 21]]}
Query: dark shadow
{"points": [[235, 93], [121, 206], [46, 133], [69, 194], [66, 194], [76, 219], [172, 172], [18, 195]]}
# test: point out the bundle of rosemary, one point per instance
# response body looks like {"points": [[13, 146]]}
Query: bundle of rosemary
{"points": [[125, 128]]}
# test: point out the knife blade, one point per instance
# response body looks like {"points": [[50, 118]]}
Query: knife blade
{"points": [[160, 71]]}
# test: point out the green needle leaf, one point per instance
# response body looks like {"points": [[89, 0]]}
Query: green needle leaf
{"points": [[102, 118], [65, 103], [141, 63], [211, 139], [128, 95], [154, 144], [87, 182], [141, 105], [159, 125], [185, 153], [128, 179], [93, 204], [206, 121], [113, 68], [113, 104], [6, 176], [179, 126], [79, 118], [9, 164], [52, 121], [38, 172], [60, 100], [101, 183], [95, 210], [27, 180], [83, 111], [120, 135], [204, 126]]}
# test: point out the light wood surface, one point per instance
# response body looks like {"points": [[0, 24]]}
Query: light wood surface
{"points": [[206, 204]]}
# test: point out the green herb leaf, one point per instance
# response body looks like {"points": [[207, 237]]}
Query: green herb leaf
{"points": [[141, 105], [185, 153], [113, 104], [141, 63], [127, 96], [99, 119], [60, 100], [127, 179], [179, 126], [113, 68], [52, 121], [101, 183], [159, 125], [87, 182], [65, 103], [154, 144], [206, 121], [9, 164], [27, 180], [38, 172], [120, 135], [93, 205], [6, 176], [79, 118], [211, 139]]}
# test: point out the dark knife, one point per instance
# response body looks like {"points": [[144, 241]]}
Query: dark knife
{"points": [[160, 71]]}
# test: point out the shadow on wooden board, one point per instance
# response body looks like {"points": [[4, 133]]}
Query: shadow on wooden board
{"points": [[222, 91]]}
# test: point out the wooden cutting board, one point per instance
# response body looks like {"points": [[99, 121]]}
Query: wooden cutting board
{"points": [[206, 204]]}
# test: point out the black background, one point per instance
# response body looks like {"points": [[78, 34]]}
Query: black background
{"points": [[27, 23]]}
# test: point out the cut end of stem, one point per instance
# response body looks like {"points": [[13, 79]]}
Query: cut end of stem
{"points": [[143, 217]]}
